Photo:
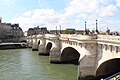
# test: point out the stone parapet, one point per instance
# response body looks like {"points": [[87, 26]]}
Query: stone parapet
{"points": [[109, 40], [78, 37], [109, 37]]}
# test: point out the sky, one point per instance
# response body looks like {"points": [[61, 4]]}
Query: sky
{"points": [[67, 13]]}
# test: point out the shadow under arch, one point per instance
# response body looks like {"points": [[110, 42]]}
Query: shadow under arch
{"points": [[38, 42], [108, 68], [48, 47], [70, 55]]}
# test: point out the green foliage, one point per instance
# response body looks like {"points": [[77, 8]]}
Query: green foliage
{"points": [[69, 31]]}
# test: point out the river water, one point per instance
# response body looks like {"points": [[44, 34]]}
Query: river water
{"points": [[24, 64]]}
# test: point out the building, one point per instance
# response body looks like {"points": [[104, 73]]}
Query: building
{"points": [[79, 31], [15, 31], [37, 30], [10, 32], [4, 28], [30, 32], [63, 31], [56, 31]]}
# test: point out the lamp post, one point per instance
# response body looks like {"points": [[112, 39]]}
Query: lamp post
{"points": [[97, 26], [60, 29], [56, 29], [85, 27]]}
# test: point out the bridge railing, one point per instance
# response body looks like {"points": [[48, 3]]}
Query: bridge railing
{"points": [[113, 77], [75, 36], [109, 37], [51, 36]]}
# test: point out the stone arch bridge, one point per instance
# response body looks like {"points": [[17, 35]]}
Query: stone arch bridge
{"points": [[98, 55]]}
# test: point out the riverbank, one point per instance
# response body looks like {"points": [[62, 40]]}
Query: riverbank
{"points": [[12, 45]]}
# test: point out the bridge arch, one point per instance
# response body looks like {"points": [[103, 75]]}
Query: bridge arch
{"points": [[69, 54], [48, 48], [108, 68], [38, 43], [50, 44]]}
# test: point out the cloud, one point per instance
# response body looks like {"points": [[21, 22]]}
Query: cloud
{"points": [[27, 14], [10, 4], [118, 3], [40, 17], [76, 12], [108, 11], [105, 2], [81, 6]]}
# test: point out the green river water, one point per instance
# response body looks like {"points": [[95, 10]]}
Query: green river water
{"points": [[24, 64]]}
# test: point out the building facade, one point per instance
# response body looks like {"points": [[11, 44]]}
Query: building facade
{"points": [[10, 32], [36, 30]]}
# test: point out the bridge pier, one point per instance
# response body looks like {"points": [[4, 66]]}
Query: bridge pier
{"points": [[30, 41], [42, 49], [35, 47], [55, 55], [35, 43], [87, 68], [87, 65], [55, 52]]}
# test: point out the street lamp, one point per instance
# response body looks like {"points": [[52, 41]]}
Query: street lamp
{"points": [[85, 27], [56, 29], [60, 29], [97, 26]]}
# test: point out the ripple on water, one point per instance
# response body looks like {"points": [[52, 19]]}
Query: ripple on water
{"points": [[23, 64]]}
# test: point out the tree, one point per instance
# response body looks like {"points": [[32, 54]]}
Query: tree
{"points": [[69, 31]]}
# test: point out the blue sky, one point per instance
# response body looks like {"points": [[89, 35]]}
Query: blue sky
{"points": [[67, 13]]}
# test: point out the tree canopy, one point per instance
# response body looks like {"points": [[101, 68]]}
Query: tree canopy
{"points": [[69, 31]]}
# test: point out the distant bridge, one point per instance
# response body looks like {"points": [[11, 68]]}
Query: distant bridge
{"points": [[98, 55], [12, 45]]}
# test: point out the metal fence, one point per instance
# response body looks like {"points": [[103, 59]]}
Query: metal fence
{"points": [[113, 77]]}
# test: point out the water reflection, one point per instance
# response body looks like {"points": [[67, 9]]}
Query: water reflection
{"points": [[23, 64]]}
